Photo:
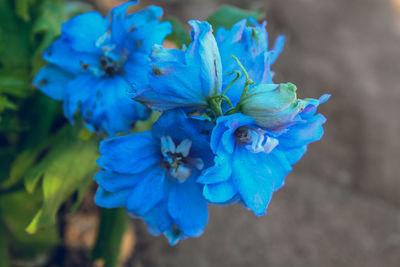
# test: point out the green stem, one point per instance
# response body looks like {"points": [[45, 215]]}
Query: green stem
{"points": [[238, 74], [248, 80], [111, 230]]}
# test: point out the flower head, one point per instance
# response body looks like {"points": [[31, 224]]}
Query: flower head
{"points": [[153, 174], [252, 162], [95, 62]]}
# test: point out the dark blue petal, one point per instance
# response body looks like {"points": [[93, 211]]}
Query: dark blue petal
{"points": [[188, 208], [113, 182], [82, 31], [145, 30], [77, 92], [158, 219], [111, 199], [61, 54], [52, 81], [148, 192], [129, 154]]}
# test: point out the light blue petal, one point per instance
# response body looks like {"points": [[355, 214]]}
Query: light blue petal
{"points": [[113, 182], [111, 199], [188, 208], [183, 81], [129, 154], [82, 31], [220, 193], [52, 81], [252, 179], [220, 172], [302, 133], [148, 192], [203, 51]]}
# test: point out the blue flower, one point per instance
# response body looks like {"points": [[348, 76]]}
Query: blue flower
{"points": [[252, 162], [250, 45], [184, 78], [153, 174], [95, 62]]}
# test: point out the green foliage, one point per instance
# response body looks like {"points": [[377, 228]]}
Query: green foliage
{"points": [[226, 16], [112, 227], [66, 169], [16, 210]]}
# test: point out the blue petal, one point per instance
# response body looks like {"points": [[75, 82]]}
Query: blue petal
{"points": [[178, 126], [252, 179], [111, 199], [204, 52], [61, 54], [278, 48], [82, 31], [184, 81], [158, 219], [220, 192], [294, 155], [147, 30], [110, 108], [52, 81], [220, 172], [303, 133], [129, 154], [113, 182], [77, 92], [188, 208], [148, 192]]}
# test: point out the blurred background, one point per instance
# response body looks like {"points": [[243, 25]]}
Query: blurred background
{"points": [[341, 204]]}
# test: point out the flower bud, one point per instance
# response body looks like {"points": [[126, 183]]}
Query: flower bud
{"points": [[272, 105]]}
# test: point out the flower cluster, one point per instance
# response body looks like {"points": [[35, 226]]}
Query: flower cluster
{"points": [[228, 134]]}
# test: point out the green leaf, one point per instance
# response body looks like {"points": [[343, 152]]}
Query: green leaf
{"points": [[46, 27], [180, 36], [22, 8], [65, 169], [16, 210], [112, 227], [226, 16], [4, 253]]}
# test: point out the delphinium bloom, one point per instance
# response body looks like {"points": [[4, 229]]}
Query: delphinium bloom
{"points": [[96, 61], [261, 129], [252, 161], [153, 174]]}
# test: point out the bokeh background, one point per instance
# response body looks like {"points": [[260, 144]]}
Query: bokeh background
{"points": [[341, 204]]}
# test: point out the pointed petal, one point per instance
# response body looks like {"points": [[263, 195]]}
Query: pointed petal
{"points": [[113, 182], [148, 192], [52, 81], [111, 199], [129, 154], [82, 31], [188, 208]]}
